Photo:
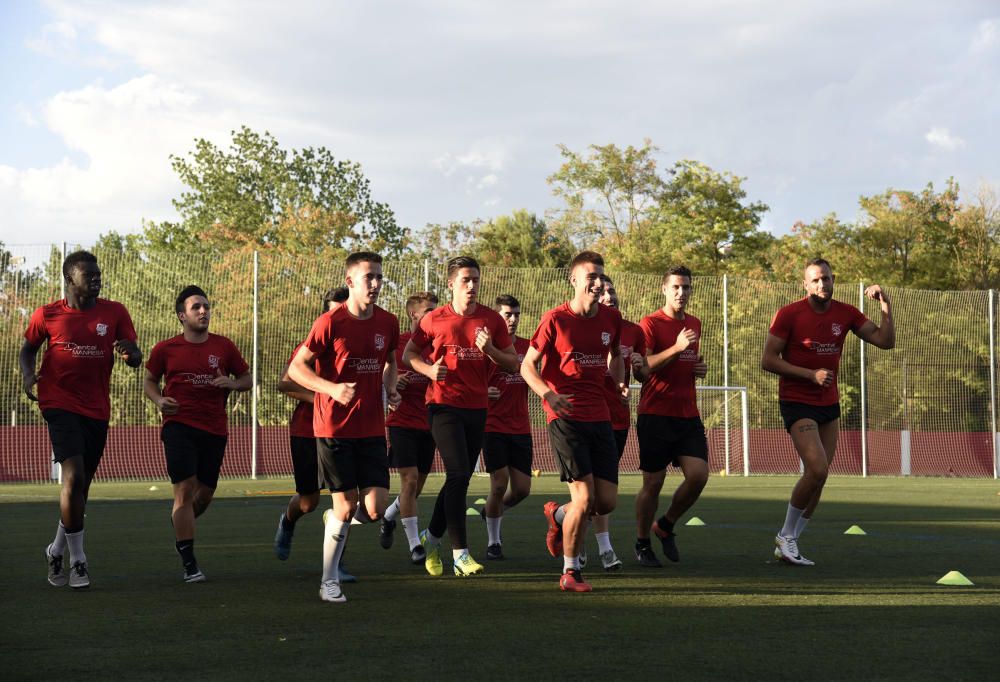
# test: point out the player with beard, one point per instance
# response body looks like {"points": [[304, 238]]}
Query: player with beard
{"points": [[199, 370], [803, 348]]}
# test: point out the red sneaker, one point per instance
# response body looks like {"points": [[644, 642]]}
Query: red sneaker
{"points": [[572, 581], [553, 536]]}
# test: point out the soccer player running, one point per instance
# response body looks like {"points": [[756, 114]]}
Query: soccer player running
{"points": [[576, 344], [84, 333], [343, 361], [507, 448], [305, 466], [621, 418], [199, 370], [464, 340], [669, 426], [803, 348], [411, 443]]}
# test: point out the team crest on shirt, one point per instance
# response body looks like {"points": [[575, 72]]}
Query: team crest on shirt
{"points": [[213, 361], [102, 329], [606, 338], [837, 329], [380, 342]]}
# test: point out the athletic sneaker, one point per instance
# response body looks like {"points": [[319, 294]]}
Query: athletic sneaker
{"points": [[465, 566], [329, 590], [644, 555], [282, 540], [79, 578], [667, 540], [582, 557], [385, 530], [553, 536], [345, 575], [418, 555], [192, 574], [787, 550], [572, 581], [57, 576], [610, 561], [494, 551], [432, 560]]}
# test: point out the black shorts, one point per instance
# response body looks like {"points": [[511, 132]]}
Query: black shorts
{"points": [[621, 437], [304, 465], [353, 463], [791, 412], [192, 452], [664, 440], [74, 435], [507, 450], [584, 448], [411, 448]]}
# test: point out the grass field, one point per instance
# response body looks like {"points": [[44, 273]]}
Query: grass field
{"points": [[870, 608]]}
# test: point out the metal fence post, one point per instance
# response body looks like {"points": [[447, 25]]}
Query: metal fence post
{"points": [[993, 388], [256, 388], [864, 402], [56, 467], [725, 363], [427, 275]]}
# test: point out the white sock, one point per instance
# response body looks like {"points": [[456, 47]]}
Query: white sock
{"points": [[334, 541], [560, 514], [59, 544], [493, 529], [800, 527], [792, 517], [75, 542], [392, 511], [571, 562], [603, 542], [457, 553], [432, 539], [412, 531]]}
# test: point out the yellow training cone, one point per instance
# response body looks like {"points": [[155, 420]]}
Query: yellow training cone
{"points": [[472, 511], [481, 500], [954, 578], [855, 530], [695, 521]]}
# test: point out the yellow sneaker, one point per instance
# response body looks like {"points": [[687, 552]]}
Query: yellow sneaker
{"points": [[465, 565], [433, 561]]}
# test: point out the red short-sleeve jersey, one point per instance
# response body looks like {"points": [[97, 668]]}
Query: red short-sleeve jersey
{"points": [[814, 341], [188, 369], [574, 356], [301, 422], [453, 337], [509, 412], [670, 391], [76, 368], [351, 350], [411, 413], [631, 341]]}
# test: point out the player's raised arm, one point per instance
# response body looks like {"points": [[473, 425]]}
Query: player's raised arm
{"points": [[772, 361], [883, 335], [129, 352], [27, 360], [301, 371], [293, 390], [413, 359], [390, 378], [560, 404]]}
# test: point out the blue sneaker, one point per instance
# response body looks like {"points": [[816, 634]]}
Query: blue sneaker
{"points": [[282, 540], [346, 577]]}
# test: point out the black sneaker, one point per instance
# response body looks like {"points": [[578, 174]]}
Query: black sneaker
{"points": [[385, 530], [644, 555], [494, 552], [668, 542], [418, 555]]}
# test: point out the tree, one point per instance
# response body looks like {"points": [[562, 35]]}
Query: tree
{"points": [[975, 242], [258, 195], [521, 240]]}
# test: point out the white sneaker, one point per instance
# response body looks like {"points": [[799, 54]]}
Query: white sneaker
{"points": [[57, 576], [787, 550], [610, 561], [329, 590], [79, 578]]}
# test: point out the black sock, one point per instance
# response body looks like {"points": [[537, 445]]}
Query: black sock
{"points": [[642, 542], [287, 525], [186, 549], [665, 526]]}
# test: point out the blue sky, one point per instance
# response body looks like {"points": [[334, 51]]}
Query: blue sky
{"points": [[455, 109]]}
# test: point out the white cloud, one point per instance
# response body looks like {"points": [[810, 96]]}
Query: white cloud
{"points": [[987, 35], [943, 138], [487, 181]]}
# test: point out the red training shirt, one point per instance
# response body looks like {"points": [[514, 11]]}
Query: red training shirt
{"points": [[814, 341], [453, 337], [411, 413], [574, 355], [76, 368], [189, 369], [631, 341], [670, 391], [509, 412], [348, 349]]}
